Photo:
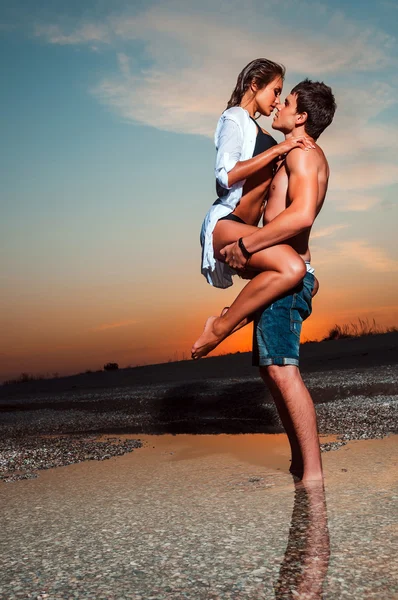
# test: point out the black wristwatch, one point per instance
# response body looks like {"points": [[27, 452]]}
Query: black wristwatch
{"points": [[243, 249]]}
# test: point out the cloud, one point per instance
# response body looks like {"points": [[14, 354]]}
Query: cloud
{"points": [[175, 82], [363, 175], [328, 231], [85, 33], [371, 257], [353, 202], [186, 83], [357, 252], [354, 130], [115, 325]]}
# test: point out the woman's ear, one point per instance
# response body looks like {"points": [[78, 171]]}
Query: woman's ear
{"points": [[253, 86]]}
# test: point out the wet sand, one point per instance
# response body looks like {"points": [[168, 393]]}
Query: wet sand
{"points": [[204, 517]]}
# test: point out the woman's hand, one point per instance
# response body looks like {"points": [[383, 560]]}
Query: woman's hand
{"points": [[301, 141], [233, 256]]}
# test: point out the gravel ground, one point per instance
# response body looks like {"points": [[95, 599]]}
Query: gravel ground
{"points": [[21, 458], [352, 404]]}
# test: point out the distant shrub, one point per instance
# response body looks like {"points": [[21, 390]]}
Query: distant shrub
{"points": [[355, 330], [111, 367]]}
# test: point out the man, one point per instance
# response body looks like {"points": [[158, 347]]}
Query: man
{"points": [[296, 196]]}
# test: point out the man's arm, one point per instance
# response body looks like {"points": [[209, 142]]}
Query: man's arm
{"points": [[303, 193]]}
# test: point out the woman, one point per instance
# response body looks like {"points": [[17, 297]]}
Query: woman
{"points": [[245, 163]]}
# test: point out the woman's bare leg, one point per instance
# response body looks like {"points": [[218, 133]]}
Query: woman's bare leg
{"points": [[243, 323], [249, 319], [281, 269]]}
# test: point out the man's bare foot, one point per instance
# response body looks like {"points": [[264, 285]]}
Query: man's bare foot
{"points": [[312, 478], [207, 341], [296, 471], [298, 474]]}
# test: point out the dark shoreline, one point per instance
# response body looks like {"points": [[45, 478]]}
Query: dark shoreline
{"points": [[364, 352], [354, 384], [354, 404]]}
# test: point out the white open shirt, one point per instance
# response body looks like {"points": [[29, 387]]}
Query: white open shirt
{"points": [[235, 139]]}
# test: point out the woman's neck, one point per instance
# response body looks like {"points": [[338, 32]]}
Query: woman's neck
{"points": [[249, 103]]}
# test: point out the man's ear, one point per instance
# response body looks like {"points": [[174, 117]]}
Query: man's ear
{"points": [[301, 118]]}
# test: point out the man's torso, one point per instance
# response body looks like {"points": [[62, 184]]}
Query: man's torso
{"points": [[278, 199]]}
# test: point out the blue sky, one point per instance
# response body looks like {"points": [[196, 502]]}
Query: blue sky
{"points": [[108, 112]]}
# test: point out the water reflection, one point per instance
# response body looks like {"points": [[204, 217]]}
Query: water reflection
{"points": [[306, 560]]}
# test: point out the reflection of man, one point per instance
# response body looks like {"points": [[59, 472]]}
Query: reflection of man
{"points": [[296, 196], [307, 554]]}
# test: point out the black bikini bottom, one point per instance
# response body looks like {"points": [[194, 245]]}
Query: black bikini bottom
{"points": [[232, 217]]}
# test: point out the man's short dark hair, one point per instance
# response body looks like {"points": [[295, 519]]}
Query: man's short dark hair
{"points": [[317, 100]]}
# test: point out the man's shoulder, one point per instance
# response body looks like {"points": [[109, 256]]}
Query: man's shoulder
{"points": [[305, 160]]}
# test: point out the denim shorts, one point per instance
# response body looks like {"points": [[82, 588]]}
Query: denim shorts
{"points": [[277, 328]]}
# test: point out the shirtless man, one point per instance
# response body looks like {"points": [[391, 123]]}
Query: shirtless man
{"points": [[296, 196]]}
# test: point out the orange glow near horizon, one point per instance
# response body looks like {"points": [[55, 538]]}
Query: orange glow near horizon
{"points": [[130, 344], [71, 330]]}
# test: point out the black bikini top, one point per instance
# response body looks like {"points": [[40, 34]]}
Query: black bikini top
{"points": [[264, 141]]}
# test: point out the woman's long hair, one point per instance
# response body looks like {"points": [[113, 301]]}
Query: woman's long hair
{"points": [[262, 71]]}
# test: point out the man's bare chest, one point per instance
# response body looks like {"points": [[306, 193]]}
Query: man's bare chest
{"points": [[277, 197]]}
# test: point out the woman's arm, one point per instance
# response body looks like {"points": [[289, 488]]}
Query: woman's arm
{"points": [[246, 168], [229, 169]]}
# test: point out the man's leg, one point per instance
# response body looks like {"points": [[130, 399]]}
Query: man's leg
{"points": [[296, 467], [298, 416]]}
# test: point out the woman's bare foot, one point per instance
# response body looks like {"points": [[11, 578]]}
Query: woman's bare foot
{"points": [[208, 340], [243, 322]]}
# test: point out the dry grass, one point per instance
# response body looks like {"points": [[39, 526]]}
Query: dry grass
{"points": [[364, 327], [23, 378]]}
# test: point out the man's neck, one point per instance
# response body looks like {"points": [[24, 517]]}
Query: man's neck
{"points": [[297, 132]]}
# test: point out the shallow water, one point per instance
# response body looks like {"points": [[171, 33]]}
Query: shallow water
{"points": [[205, 517]]}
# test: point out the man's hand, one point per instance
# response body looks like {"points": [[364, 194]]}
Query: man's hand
{"points": [[233, 256]]}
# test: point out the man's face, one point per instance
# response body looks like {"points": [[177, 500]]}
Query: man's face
{"points": [[286, 115]]}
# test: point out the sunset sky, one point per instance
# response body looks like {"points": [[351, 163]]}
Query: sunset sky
{"points": [[108, 110]]}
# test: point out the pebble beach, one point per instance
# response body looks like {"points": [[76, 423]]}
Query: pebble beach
{"points": [[44, 431], [180, 489]]}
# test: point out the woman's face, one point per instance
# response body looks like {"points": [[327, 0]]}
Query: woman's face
{"points": [[268, 97]]}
